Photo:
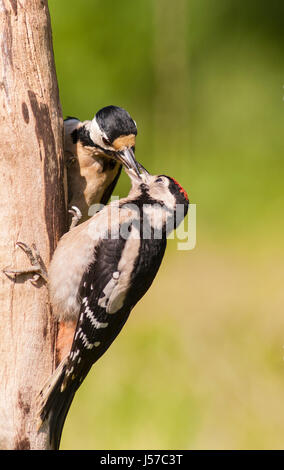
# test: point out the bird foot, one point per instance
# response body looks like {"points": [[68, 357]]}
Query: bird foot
{"points": [[77, 215], [37, 269]]}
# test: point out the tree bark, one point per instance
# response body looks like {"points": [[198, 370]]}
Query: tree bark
{"points": [[32, 210]]}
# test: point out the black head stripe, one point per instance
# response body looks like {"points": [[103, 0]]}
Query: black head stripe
{"points": [[74, 136], [178, 191], [115, 122], [83, 135]]}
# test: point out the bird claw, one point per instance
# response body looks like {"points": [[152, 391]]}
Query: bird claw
{"points": [[77, 215], [37, 269]]}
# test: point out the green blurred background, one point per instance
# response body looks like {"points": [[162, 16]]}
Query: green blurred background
{"points": [[199, 364]]}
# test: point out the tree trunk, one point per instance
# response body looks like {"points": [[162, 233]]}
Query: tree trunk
{"points": [[32, 210]]}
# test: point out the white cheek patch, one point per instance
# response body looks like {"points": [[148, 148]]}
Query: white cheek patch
{"points": [[97, 134], [162, 193]]}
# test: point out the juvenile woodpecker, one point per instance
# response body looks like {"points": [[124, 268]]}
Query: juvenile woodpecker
{"points": [[94, 151], [99, 271], [94, 154]]}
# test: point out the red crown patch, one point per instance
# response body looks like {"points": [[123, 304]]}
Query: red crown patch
{"points": [[181, 190]]}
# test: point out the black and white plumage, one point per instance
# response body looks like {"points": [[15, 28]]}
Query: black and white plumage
{"points": [[98, 273], [94, 153]]}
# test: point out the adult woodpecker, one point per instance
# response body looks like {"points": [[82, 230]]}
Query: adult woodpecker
{"points": [[94, 153], [99, 271]]}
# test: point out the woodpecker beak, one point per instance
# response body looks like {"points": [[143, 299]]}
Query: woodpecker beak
{"points": [[143, 172], [141, 177], [127, 158]]}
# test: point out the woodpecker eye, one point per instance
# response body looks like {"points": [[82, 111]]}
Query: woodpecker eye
{"points": [[105, 141], [159, 180]]}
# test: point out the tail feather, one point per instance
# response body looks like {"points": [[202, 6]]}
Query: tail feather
{"points": [[54, 403], [56, 397]]}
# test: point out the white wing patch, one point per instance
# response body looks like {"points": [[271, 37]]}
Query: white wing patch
{"points": [[116, 289], [103, 301]]}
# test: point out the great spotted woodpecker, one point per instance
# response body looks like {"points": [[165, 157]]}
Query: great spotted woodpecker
{"points": [[99, 271], [94, 151]]}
